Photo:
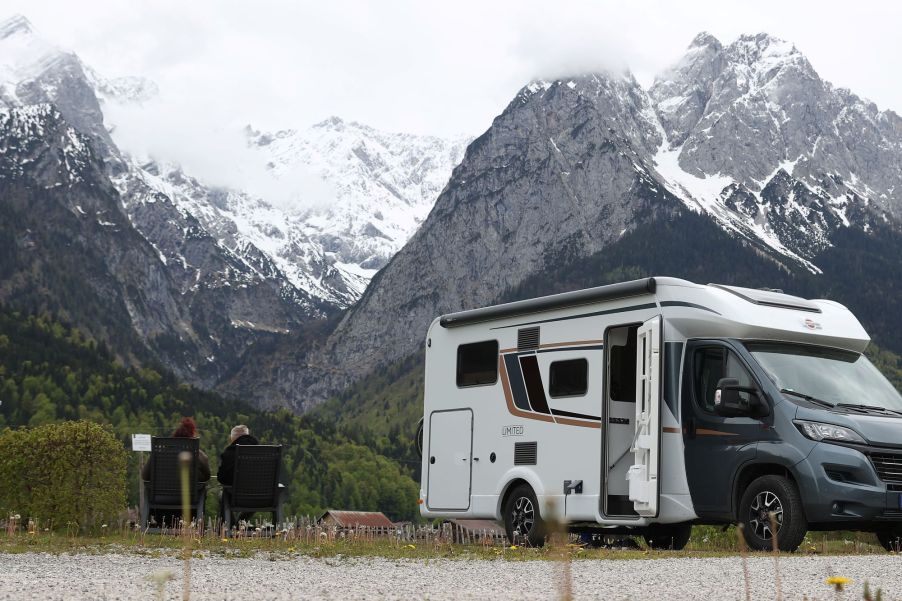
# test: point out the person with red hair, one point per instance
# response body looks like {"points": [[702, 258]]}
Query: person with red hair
{"points": [[187, 429]]}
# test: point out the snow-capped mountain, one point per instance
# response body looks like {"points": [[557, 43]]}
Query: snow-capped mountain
{"points": [[252, 229], [241, 267], [34, 71], [370, 192], [380, 186], [739, 145], [759, 140], [364, 193]]}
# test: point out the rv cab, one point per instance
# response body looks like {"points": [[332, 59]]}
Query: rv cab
{"points": [[644, 407]]}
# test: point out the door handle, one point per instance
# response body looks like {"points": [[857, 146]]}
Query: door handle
{"points": [[692, 427], [475, 458]]}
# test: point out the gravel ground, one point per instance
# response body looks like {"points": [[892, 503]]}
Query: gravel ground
{"points": [[41, 576]]}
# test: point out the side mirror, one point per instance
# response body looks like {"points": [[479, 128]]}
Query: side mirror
{"points": [[729, 403]]}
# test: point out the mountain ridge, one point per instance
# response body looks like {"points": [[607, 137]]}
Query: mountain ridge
{"points": [[572, 165], [236, 277], [745, 135]]}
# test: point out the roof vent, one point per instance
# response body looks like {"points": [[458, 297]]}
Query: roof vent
{"points": [[528, 339]]}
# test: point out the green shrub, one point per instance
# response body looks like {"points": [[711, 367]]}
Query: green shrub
{"points": [[62, 474]]}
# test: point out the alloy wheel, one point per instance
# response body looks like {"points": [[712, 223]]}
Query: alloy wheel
{"points": [[523, 516], [765, 503]]}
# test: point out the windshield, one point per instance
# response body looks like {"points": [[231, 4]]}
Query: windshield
{"points": [[833, 375]]}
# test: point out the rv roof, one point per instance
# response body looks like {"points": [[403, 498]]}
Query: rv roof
{"points": [[770, 298], [547, 303]]}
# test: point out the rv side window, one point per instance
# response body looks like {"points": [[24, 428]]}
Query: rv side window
{"points": [[568, 378], [709, 366], [477, 363], [622, 343]]}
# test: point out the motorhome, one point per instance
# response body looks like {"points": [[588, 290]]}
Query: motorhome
{"points": [[644, 407]]}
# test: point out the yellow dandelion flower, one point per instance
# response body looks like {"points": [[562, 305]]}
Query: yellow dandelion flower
{"points": [[838, 582], [225, 540], [514, 547]]}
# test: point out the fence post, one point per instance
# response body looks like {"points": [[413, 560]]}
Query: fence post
{"points": [[141, 499]]}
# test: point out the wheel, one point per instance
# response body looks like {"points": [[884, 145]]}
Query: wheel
{"points": [[775, 495], [891, 538], [522, 521], [668, 536]]}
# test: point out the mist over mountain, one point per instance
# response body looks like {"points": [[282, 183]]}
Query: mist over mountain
{"points": [[230, 269]]}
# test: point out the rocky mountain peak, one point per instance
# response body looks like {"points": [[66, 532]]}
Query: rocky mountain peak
{"points": [[705, 40], [35, 71], [682, 92], [15, 24], [757, 45], [23, 54], [332, 122], [766, 57]]}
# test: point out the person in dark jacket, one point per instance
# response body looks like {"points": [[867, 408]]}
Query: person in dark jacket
{"points": [[240, 435], [186, 429]]}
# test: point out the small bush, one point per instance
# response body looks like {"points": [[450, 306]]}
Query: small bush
{"points": [[65, 473]]}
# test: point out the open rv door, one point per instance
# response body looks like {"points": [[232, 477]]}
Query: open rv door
{"points": [[643, 474]]}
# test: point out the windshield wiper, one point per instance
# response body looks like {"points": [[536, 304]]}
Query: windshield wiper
{"points": [[868, 408], [808, 397]]}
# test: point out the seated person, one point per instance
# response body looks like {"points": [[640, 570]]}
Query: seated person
{"points": [[240, 435], [186, 429]]}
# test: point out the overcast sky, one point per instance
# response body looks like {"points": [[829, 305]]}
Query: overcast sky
{"points": [[434, 67]]}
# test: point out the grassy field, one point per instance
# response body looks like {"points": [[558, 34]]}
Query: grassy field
{"points": [[412, 544]]}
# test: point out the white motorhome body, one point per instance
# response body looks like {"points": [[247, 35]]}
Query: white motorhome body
{"points": [[579, 397]]}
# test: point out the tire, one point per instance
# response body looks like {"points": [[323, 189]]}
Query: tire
{"points": [[522, 521], [674, 537], [777, 494], [891, 538]]}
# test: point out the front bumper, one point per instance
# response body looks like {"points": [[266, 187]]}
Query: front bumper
{"points": [[840, 486]]}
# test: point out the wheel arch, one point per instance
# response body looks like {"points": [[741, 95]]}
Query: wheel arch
{"points": [[506, 491]]}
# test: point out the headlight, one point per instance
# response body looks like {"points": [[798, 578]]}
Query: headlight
{"points": [[819, 431]]}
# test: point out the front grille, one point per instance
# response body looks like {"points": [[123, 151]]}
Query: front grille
{"points": [[526, 453], [889, 468]]}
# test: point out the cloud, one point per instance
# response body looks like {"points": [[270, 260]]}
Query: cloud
{"points": [[444, 68], [211, 146]]}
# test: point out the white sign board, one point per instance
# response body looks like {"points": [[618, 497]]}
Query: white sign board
{"points": [[141, 442]]}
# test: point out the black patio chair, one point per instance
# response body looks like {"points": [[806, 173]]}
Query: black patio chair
{"points": [[163, 492], [255, 484]]}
